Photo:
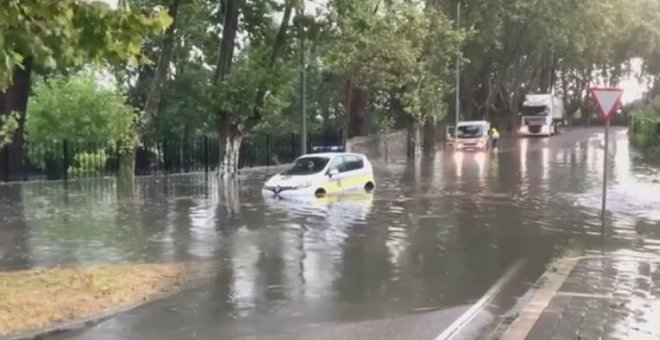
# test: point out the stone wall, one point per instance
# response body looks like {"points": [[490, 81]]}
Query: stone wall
{"points": [[385, 147]]}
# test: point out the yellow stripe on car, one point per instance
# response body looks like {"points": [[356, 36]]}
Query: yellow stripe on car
{"points": [[337, 185]]}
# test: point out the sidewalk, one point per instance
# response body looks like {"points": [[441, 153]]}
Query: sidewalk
{"points": [[597, 296]]}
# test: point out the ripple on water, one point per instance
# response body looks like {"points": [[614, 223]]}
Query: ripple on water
{"points": [[638, 200]]}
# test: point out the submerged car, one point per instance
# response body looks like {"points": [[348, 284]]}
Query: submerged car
{"points": [[354, 205], [328, 171]]}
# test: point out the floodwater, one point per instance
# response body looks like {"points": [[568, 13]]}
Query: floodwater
{"points": [[432, 239]]}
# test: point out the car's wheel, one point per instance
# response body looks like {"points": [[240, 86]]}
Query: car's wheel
{"points": [[320, 193], [369, 187]]}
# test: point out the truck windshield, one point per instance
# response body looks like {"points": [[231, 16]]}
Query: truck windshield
{"points": [[470, 131], [535, 110], [306, 166]]}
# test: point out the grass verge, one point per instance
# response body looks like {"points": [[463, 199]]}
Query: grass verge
{"points": [[33, 299]]}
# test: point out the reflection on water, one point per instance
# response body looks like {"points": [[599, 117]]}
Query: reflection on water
{"points": [[436, 233], [632, 187], [471, 161]]}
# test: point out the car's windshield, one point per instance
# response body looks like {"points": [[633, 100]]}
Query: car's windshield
{"points": [[470, 131], [534, 110], [306, 166]]}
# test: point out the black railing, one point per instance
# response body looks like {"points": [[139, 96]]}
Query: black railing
{"points": [[69, 160]]}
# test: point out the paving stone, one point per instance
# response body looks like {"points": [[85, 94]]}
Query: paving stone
{"points": [[631, 313]]}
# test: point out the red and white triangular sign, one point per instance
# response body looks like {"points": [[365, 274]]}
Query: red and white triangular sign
{"points": [[607, 100]]}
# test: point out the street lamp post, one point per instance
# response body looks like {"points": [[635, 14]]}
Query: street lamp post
{"points": [[458, 65], [303, 80]]}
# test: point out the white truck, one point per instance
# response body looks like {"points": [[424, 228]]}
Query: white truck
{"points": [[541, 115]]}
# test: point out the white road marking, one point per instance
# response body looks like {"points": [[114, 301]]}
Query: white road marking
{"points": [[466, 317]]}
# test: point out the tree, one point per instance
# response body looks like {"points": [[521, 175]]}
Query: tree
{"points": [[35, 33], [78, 108], [247, 88], [521, 47], [398, 53], [94, 118]]}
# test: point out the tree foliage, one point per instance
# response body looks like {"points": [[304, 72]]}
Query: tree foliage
{"points": [[395, 59], [53, 35], [71, 31], [78, 109], [521, 46], [644, 128]]}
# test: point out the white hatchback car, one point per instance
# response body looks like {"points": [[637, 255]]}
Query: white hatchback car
{"points": [[323, 173]]}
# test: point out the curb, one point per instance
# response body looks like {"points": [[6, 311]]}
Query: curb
{"points": [[519, 320], [532, 310]]}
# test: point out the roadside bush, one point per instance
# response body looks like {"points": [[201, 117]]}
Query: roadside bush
{"points": [[643, 131], [87, 164]]}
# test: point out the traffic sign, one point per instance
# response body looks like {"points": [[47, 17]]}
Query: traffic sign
{"points": [[607, 100]]}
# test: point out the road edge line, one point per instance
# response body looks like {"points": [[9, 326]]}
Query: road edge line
{"points": [[466, 317], [532, 310]]}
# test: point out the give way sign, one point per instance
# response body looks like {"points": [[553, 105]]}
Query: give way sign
{"points": [[607, 99]]}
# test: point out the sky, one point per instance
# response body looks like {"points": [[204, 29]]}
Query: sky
{"points": [[633, 89]]}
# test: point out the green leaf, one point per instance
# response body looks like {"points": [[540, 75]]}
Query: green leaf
{"points": [[50, 62], [164, 19]]}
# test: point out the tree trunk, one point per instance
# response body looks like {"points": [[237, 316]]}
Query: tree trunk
{"points": [[386, 147], [228, 43], [126, 176], [232, 145], [412, 145], [356, 107], [167, 50], [15, 99], [430, 137], [16, 242]]}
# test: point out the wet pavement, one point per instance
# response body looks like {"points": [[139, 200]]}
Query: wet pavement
{"points": [[606, 296], [403, 263]]}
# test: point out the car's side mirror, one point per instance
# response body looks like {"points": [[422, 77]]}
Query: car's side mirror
{"points": [[332, 172]]}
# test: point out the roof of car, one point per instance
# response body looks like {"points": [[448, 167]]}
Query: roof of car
{"points": [[473, 122], [331, 154]]}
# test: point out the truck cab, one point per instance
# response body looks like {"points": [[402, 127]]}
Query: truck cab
{"points": [[471, 135], [541, 115]]}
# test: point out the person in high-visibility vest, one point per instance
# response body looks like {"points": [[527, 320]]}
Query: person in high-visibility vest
{"points": [[495, 136]]}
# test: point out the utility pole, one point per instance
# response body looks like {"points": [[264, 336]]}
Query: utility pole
{"points": [[303, 81], [458, 65]]}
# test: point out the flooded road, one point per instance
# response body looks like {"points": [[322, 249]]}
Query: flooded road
{"points": [[405, 262]]}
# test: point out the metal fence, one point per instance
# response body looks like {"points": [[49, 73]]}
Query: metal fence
{"points": [[67, 160]]}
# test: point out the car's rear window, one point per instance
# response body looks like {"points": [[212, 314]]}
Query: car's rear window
{"points": [[306, 166]]}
